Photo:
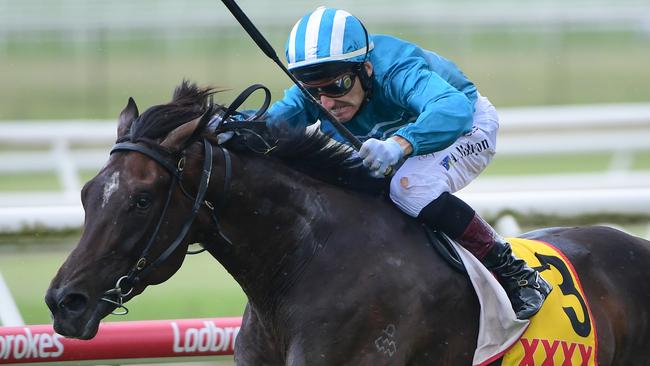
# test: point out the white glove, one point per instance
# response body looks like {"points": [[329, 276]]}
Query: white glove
{"points": [[224, 136], [380, 156]]}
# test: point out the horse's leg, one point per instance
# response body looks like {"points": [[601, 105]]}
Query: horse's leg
{"points": [[613, 269], [255, 345]]}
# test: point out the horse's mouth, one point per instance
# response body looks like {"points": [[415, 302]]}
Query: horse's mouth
{"points": [[77, 328], [87, 331]]}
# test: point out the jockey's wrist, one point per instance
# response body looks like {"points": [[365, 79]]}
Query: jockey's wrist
{"points": [[406, 146]]}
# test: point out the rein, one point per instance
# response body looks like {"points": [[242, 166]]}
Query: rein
{"points": [[125, 284]]}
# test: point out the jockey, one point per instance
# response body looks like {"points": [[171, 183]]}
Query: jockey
{"points": [[410, 104]]}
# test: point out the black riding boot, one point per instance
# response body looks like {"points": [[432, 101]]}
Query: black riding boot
{"points": [[526, 289]]}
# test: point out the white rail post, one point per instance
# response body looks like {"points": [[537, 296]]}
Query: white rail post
{"points": [[9, 314], [66, 169]]}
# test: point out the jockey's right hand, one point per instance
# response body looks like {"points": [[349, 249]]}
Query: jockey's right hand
{"points": [[380, 156]]}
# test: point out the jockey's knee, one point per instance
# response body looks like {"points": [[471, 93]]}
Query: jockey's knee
{"points": [[411, 193], [447, 213]]}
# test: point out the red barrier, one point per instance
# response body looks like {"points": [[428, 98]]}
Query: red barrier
{"points": [[121, 340]]}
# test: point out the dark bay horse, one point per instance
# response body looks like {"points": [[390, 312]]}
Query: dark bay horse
{"points": [[333, 276]]}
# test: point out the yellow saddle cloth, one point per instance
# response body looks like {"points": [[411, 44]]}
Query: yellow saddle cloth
{"points": [[563, 333]]}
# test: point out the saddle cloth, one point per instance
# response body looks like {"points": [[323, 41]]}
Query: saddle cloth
{"points": [[562, 333]]}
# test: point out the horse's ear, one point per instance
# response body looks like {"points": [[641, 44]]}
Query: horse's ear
{"points": [[127, 116], [176, 139]]}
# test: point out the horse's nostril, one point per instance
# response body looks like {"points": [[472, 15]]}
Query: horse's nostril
{"points": [[73, 302]]}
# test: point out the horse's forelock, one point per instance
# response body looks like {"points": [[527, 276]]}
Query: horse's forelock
{"points": [[189, 101], [188, 92]]}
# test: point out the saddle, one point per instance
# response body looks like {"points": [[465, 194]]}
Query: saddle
{"points": [[563, 332], [445, 248]]}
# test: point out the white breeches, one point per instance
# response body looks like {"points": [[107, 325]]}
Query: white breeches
{"points": [[422, 179]]}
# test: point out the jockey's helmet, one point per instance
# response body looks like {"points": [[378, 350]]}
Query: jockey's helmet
{"points": [[327, 43]]}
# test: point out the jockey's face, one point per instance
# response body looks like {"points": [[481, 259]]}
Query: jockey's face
{"points": [[344, 107]]}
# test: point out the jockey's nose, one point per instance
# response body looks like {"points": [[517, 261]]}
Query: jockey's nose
{"points": [[327, 102]]}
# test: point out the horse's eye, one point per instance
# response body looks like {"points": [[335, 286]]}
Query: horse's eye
{"points": [[142, 202]]}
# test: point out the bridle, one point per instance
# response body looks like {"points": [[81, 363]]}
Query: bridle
{"points": [[145, 265], [125, 284]]}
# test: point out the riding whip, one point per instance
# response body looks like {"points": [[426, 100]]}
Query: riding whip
{"points": [[264, 45]]}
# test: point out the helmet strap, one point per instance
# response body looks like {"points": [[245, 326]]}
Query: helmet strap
{"points": [[366, 80]]}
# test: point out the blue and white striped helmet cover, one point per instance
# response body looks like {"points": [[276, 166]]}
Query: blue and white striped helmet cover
{"points": [[326, 34]]}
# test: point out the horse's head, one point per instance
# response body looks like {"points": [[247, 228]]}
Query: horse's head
{"points": [[135, 208]]}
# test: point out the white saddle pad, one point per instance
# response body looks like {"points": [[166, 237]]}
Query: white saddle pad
{"points": [[499, 327]]}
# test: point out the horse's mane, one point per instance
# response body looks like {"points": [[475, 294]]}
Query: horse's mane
{"points": [[311, 152], [307, 150]]}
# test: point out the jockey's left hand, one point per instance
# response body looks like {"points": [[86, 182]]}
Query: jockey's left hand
{"points": [[380, 156]]}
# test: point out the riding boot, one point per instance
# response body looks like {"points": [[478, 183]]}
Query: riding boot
{"points": [[526, 289]]}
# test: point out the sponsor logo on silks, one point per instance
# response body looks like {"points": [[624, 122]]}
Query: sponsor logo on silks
{"points": [[209, 338], [28, 345], [448, 161], [463, 151], [475, 148]]}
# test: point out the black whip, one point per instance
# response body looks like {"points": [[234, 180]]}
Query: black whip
{"points": [[264, 45]]}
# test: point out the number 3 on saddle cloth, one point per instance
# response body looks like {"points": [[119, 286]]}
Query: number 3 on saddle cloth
{"points": [[563, 332]]}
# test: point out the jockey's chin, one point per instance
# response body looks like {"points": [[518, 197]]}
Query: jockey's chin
{"points": [[344, 108]]}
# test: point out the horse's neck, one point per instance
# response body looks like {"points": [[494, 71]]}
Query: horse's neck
{"points": [[275, 221]]}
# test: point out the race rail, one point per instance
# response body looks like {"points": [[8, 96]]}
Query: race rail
{"points": [[122, 342]]}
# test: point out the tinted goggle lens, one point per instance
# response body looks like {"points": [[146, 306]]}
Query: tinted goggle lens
{"points": [[332, 88]]}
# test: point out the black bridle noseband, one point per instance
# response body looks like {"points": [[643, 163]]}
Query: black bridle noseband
{"points": [[144, 265]]}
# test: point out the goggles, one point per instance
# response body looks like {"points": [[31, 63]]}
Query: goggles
{"points": [[332, 88]]}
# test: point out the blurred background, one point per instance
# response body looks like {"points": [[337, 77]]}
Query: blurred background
{"points": [[83, 59], [570, 78]]}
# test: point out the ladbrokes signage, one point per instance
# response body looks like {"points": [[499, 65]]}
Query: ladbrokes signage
{"points": [[140, 340], [209, 338], [27, 345]]}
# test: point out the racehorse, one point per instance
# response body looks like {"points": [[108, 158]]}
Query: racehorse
{"points": [[334, 275]]}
